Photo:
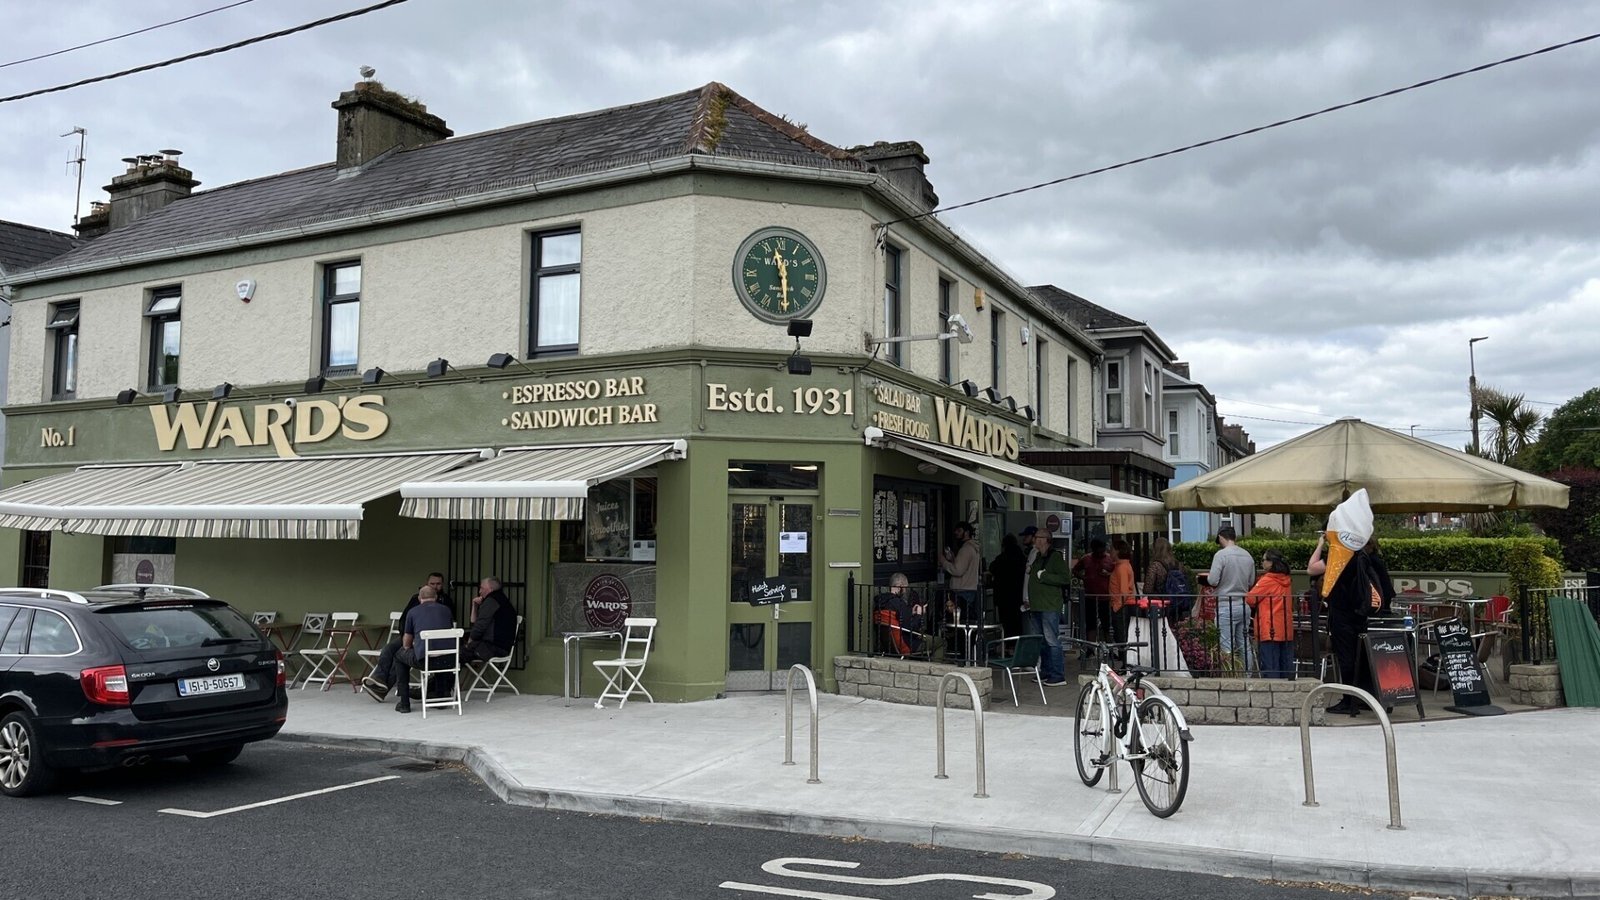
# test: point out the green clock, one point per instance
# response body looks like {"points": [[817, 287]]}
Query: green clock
{"points": [[779, 275]]}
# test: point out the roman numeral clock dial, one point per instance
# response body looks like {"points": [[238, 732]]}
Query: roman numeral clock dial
{"points": [[778, 275]]}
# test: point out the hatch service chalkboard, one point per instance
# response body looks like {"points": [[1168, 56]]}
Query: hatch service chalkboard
{"points": [[1458, 662], [766, 593], [1389, 660]]}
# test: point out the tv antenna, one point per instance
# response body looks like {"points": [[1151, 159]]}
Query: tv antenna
{"points": [[77, 200]]}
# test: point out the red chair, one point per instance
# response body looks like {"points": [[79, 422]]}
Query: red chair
{"points": [[1498, 609]]}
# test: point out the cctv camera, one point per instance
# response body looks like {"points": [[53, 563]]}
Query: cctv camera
{"points": [[290, 402]]}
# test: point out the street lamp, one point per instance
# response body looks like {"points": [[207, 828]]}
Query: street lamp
{"points": [[1414, 429], [1472, 389]]}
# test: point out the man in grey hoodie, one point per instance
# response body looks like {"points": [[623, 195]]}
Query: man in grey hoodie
{"points": [[1232, 573]]}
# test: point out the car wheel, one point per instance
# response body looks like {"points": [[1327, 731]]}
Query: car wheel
{"points": [[219, 757], [23, 772]]}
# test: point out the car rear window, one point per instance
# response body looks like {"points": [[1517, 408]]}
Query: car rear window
{"points": [[179, 625]]}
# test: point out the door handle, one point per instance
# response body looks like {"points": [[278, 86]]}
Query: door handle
{"points": [[777, 611]]}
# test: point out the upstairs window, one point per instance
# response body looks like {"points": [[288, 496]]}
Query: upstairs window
{"points": [[341, 316], [947, 349], [63, 326], [554, 306], [165, 333], [1149, 397], [1174, 447], [1114, 392], [892, 275], [1041, 381], [997, 352]]}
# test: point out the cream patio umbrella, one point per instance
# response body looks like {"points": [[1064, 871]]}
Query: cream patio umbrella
{"points": [[1402, 474]]}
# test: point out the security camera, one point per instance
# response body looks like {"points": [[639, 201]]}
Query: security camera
{"points": [[290, 402]]}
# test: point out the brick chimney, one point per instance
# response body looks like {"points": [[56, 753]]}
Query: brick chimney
{"points": [[150, 183], [96, 223], [1180, 369], [374, 120], [902, 164]]}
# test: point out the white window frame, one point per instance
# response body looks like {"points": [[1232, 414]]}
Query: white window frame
{"points": [[1119, 393], [1174, 434]]}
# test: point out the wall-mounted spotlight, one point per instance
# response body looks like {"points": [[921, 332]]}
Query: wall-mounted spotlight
{"points": [[222, 391], [1009, 403], [799, 365], [126, 397], [171, 394], [991, 394], [501, 360], [438, 367], [970, 388], [372, 376], [1028, 411]]}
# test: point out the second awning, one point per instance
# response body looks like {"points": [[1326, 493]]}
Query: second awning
{"points": [[532, 482]]}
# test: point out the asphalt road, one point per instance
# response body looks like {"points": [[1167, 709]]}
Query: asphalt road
{"points": [[177, 832]]}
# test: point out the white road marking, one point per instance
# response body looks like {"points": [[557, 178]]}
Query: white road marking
{"points": [[784, 867], [96, 801], [327, 790]]}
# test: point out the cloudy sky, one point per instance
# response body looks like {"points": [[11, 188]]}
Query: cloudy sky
{"points": [[1332, 268]]}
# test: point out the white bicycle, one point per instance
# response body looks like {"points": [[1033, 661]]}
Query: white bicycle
{"points": [[1158, 749]]}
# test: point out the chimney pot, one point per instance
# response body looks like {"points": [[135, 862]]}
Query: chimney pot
{"points": [[902, 164], [374, 120]]}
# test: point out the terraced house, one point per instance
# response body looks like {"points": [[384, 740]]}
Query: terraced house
{"points": [[678, 359]]}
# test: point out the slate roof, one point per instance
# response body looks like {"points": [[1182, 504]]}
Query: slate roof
{"points": [[25, 246], [1084, 313], [710, 120]]}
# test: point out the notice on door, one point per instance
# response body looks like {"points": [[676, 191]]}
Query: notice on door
{"points": [[793, 541]]}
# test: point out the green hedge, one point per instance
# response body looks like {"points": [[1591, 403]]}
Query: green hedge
{"points": [[1535, 562]]}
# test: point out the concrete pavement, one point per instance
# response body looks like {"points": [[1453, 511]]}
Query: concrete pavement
{"points": [[1491, 806]]}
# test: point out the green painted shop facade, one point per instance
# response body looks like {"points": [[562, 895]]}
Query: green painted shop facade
{"points": [[776, 484]]}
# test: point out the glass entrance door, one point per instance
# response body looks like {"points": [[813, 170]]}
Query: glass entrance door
{"points": [[772, 556]]}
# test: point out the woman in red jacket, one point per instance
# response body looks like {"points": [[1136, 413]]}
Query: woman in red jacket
{"points": [[1272, 603]]}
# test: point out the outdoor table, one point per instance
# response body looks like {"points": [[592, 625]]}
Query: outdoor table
{"points": [[341, 650], [972, 640], [1470, 604], [571, 653], [283, 634]]}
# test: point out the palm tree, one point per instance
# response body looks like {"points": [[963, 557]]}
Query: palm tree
{"points": [[1513, 424]]}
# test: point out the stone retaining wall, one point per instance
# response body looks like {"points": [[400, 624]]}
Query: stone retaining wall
{"points": [[908, 681], [1537, 685], [1239, 701]]}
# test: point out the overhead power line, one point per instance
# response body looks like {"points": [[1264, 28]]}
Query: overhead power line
{"points": [[1256, 130], [213, 51], [18, 62]]}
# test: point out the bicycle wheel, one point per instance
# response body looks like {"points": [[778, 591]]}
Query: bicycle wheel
{"points": [[1091, 734], [1162, 772]]}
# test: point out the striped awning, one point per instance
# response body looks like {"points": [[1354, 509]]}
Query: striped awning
{"points": [[313, 498], [1129, 512], [525, 483]]}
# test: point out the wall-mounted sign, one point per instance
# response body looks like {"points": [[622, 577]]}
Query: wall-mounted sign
{"points": [[285, 425], [606, 603], [801, 401], [52, 437], [584, 391]]}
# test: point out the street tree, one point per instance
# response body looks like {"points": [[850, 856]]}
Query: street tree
{"points": [[1571, 436]]}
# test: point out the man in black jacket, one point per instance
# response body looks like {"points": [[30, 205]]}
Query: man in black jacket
{"points": [[494, 623], [376, 685]]}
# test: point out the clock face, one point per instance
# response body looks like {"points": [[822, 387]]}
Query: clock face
{"points": [[779, 275]]}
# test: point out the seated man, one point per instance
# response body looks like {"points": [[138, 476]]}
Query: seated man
{"points": [[376, 684], [428, 616], [494, 624], [905, 617]]}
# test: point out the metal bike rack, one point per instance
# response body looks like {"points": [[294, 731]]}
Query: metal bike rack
{"points": [[788, 720], [1388, 746], [977, 718]]}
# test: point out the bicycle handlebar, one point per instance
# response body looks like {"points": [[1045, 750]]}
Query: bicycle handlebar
{"points": [[1107, 646]]}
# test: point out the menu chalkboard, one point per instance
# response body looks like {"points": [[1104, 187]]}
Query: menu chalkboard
{"points": [[1389, 660], [1458, 662]]}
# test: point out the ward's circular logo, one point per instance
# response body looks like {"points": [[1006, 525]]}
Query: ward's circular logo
{"points": [[606, 603]]}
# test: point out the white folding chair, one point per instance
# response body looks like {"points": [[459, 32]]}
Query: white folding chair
{"points": [[370, 657], [441, 655], [312, 625], [263, 619], [498, 665], [623, 673], [326, 660]]}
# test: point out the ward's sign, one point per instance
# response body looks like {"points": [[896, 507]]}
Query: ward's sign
{"points": [[768, 592], [1458, 662]]}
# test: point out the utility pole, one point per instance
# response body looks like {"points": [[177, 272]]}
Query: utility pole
{"points": [[77, 200], [1472, 390]]}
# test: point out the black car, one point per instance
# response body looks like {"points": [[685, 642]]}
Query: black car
{"points": [[123, 674]]}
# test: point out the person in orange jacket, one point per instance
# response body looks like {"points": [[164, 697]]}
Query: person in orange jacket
{"points": [[1121, 588], [1272, 602]]}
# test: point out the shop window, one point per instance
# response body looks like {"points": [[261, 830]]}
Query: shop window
{"points": [[619, 524], [144, 560], [557, 277], [748, 475], [164, 315], [36, 559], [64, 370], [341, 316], [904, 531]]}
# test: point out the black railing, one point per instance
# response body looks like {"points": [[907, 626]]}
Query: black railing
{"points": [[924, 622], [1210, 639], [1533, 616]]}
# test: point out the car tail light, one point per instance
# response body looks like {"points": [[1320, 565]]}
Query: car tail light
{"points": [[106, 685], [283, 679]]}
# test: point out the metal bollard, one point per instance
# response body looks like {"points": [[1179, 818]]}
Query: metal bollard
{"points": [[1388, 747], [977, 718], [788, 721]]}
